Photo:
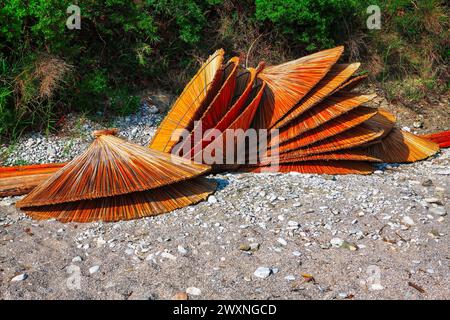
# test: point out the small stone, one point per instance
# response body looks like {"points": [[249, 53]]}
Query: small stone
{"points": [[181, 296], [153, 109], [254, 246], [336, 242], [244, 247], [439, 211], [282, 241], [77, 259], [376, 287], [408, 221], [262, 272], [212, 199], [405, 128], [168, 255], [51, 152], [289, 278], [94, 269], [296, 253], [19, 277], [417, 124], [182, 250], [292, 223], [427, 183], [350, 246], [433, 200], [194, 291], [297, 204]]}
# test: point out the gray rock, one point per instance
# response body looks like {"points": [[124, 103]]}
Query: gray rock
{"points": [[77, 259], [439, 211], [433, 200]]}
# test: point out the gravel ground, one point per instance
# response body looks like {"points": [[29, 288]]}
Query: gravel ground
{"points": [[260, 236]]}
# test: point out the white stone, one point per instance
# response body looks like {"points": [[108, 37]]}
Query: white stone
{"points": [[297, 253], [194, 291], [289, 278], [336, 242], [376, 286], [19, 277], [293, 223], [212, 199], [94, 269], [282, 241], [168, 255], [408, 221], [262, 272], [182, 250], [77, 259]]}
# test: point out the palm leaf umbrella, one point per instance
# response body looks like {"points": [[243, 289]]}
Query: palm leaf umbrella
{"points": [[114, 179]]}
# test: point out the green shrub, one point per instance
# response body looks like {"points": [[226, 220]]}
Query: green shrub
{"points": [[314, 23], [47, 70]]}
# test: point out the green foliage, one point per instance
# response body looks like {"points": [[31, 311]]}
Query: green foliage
{"points": [[412, 48], [124, 46], [314, 23]]}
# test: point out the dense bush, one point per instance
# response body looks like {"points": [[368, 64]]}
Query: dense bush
{"points": [[410, 57], [99, 67], [124, 46], [315, 23]]}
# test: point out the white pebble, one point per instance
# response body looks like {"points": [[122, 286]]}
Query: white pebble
{"points": [[19, 277], [182, 250], [93, 269], [262, 272], [194, 291]]}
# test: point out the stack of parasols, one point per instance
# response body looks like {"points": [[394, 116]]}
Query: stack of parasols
{"points": [[315, 119]]}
